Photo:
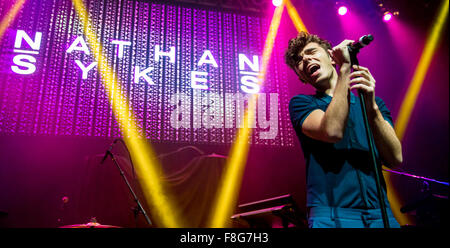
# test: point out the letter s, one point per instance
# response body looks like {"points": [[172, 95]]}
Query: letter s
{"points": [[21, 60]]}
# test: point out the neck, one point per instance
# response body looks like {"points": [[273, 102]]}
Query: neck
{"points": [[331, 84]]}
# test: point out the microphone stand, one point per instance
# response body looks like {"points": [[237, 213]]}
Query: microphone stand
{"points": [[139, 205], [376, 167]]}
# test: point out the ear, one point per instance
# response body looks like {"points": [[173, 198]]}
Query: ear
{"points": [[330, 54]]}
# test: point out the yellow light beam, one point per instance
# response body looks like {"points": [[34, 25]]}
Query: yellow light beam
{"points": [[228, 190], [10, 16], [148, 169], [295, 17], [410, 101], [420, 72]]}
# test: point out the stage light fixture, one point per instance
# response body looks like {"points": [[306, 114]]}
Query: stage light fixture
{"points": [[386, 12], [387, 16], [341, 7], [277, 3], [342, 10]]}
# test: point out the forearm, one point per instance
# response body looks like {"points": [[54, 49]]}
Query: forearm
{"points": [[386, 140], [335, 118]]}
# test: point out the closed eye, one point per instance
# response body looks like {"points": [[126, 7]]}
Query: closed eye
{"points": [[308, 51]]}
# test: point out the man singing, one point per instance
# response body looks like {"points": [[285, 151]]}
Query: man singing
{"points": [[341, 187]]}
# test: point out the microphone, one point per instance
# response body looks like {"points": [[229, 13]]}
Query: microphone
{"points": [[108, 151], [362, 42]]}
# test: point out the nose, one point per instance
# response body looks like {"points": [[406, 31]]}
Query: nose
{"points": [[306, 59]]}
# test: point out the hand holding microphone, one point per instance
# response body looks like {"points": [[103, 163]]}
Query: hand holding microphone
{"points": [[340, 53]]}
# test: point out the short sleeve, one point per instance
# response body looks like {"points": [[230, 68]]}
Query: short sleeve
{"points": [[384, 110], [300, 107]]}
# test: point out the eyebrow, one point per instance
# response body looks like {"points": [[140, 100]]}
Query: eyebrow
{"points": [[300, 57], [309, 50]]}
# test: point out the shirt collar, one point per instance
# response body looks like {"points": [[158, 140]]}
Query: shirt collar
{"points": [[327, 99]]}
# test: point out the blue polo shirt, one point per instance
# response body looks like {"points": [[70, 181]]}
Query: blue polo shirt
{"points": [[338, 174]]}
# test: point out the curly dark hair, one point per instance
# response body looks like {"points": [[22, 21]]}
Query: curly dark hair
{"points": [[297, 44]]}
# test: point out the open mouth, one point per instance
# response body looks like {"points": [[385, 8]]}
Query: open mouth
{"points": [[312, 69]]}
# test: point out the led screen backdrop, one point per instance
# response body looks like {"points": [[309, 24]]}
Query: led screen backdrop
{"points": [[185, 71]]}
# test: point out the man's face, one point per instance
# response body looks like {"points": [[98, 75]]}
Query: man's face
{"points": [[315, 66]]}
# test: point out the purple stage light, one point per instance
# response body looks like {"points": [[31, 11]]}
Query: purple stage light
{"points": [[387, 16], [342, 10], [277, 3]]}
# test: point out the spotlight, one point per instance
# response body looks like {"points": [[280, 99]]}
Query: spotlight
{"points": [[277, 3], [342, 10], [387, 16], [386, 12]]}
